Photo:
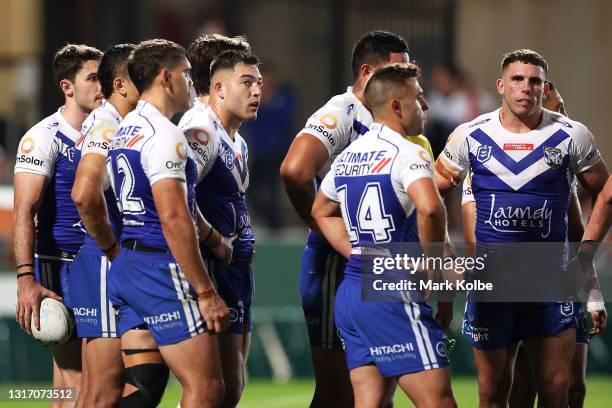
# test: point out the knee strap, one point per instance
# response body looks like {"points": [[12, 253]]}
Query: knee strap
{"points": [[147, 372]]}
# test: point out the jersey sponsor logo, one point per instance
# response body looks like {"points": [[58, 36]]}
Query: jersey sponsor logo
{"points": [[27, 145], [480, 122], [329, 121], [321, 130], [420, 166], [483, 154], [425, 156], [163, 317], [519, 219], [52, 125], [518, 146], [590, 155], [561, 121], [241, 164], [196, 147], [201, 136], [477, 334], [391, 349], [128, 130], [181, 150], [360, 163], [448, 155], [350, 108], [107, 134], [23, 159], [552, 156], [100, 144], [85, 311]]}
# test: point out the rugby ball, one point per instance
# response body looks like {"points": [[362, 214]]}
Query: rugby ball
{"points": [[56, 324]]}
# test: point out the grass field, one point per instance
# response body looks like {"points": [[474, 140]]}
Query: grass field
{"points": [[297, 394]]}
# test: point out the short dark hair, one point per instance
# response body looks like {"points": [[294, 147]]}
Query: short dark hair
{"points": [[388, 82], [526, 57], [551, 85], [69, 59], [149, 57], [113, 64], [229, 60], [374, 47], [204, 50]]}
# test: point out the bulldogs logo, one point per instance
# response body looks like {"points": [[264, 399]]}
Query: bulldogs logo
{"points": [[552, 156]]}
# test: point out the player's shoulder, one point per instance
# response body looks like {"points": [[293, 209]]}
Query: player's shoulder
{"points": [[485, 121], [46, 128], [201, 122], [194, 116], [572, 127], [339, 110]]}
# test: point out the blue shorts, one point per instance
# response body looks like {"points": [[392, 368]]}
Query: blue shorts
{"points": [[399, 338], [151, 288], [490, 326], [322, 270], [582, 332], [236, 287], [53, 272], [93, 311]]}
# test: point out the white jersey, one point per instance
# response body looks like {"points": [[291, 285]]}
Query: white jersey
{"points": [[48, 149], [96, 135], [370, 180], [209, 141], [147, 148], [521, 181], [337, 124], [224, 177]]}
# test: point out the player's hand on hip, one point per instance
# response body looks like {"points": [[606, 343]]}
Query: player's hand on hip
{"points": [[215, 313], [444, 314], [29, 295], [224, 250]]}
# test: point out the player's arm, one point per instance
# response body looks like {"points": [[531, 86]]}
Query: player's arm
{"points": [[575, 228], [305, 157], [326, 213], [431, 214], [29, 190], [220, 246], [431, 221], [601, 216], [179, 231], [88, 196]]}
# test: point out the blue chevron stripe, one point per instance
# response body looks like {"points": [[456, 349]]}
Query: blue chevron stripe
{"points": [[514, 166]]}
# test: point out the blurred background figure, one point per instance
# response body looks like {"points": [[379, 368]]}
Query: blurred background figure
{"points": [[269, 138], [453, 100]]}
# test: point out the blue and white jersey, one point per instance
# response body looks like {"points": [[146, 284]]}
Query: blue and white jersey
{"points": [[337, 124], [147, 148], [521, 182], [96, 136], [48, 149], [224, 179], [369, 180]]}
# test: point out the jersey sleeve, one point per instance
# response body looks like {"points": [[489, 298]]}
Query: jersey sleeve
{"points": [[583, 152], [165, 157], [204, 147], [467, 195], [98, 137], [410, 165], [455, 156], [331, 125], [37, 152], [328, 187]]}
